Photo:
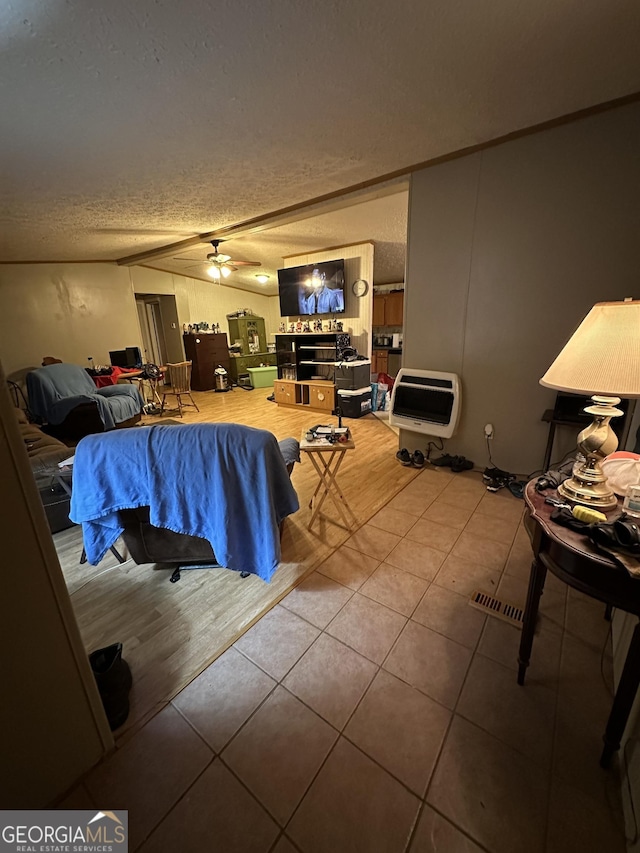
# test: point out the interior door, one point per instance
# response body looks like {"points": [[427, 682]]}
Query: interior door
{"points": [[151, 329]]}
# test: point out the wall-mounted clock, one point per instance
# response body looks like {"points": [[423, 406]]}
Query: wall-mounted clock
{"points": [[360, 287]]}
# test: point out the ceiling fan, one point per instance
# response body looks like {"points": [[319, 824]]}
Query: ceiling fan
{"points": [[220, 265]]}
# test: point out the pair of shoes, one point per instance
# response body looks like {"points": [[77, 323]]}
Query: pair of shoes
{"points": [[461, 463], [497, 479], [405, 458], [443, 461], [497, 474]]}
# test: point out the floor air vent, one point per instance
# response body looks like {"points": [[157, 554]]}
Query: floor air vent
{"points": [[510, 613]]}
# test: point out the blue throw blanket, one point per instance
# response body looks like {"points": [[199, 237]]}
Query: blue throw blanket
{"points": [[223, 482], [57, 389]]}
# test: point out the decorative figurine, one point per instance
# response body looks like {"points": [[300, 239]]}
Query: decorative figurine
{"points": [[339, 326], [282, 328], [299, 326], [306, 326], [292, 328]]}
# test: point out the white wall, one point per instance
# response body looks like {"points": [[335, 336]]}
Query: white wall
{"points": [[73, 311], [53, 725], [358, 263], [507, 251], [69, 311]]}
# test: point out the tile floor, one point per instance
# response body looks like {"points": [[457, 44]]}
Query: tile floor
{"points": [[374, 710]]}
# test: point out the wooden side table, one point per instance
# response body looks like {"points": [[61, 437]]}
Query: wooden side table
{"points": [[327, 458], [570, 556]]}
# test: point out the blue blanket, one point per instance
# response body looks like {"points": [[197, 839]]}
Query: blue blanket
{"points": [[57, 389], [223, 482]]}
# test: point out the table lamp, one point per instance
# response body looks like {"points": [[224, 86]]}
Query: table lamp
{"points": [[601, 360]]}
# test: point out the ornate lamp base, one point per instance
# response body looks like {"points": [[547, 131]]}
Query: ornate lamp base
{"points": [[588, 484]]}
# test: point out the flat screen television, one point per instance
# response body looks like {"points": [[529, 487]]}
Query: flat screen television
{"points": [[312, 289]]}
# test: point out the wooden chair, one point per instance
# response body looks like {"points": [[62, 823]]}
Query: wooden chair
{"points": [[180, 381]]}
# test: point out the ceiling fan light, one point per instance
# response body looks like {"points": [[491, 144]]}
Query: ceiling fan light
{"points": [[226, 272], [262, 278], [214, 272]]}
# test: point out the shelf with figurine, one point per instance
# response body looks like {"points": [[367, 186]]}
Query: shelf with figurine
{"points": [[305, 327]]}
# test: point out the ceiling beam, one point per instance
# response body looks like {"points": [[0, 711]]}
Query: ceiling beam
{"points": [[267, 219]]}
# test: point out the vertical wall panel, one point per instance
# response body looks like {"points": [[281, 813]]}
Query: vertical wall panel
{"points": [[508, 250]]}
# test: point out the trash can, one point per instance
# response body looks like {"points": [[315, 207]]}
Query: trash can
{"points": [[221, 379]]}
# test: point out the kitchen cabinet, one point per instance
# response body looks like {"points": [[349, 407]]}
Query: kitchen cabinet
{"points": [[388, 308], [380, 361]]}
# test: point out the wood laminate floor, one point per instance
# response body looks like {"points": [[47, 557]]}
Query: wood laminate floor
{"points": [[171, 632]]}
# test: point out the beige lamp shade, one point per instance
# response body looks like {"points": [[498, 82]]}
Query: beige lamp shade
{"points": [[603, 355]]}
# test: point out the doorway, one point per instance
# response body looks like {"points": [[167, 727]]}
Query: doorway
{"points": [[161, 338]]}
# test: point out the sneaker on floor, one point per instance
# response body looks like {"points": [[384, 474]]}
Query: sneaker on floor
{"points": [[443, 461], [404, 457], [461, 463], [490, 474], [418, 459]]}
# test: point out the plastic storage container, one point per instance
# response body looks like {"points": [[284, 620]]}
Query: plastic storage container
{"points": [[262, 377], [355, 404], [353, 375]]}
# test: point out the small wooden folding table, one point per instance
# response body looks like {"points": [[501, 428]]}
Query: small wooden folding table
{"points": [[326, 458]]}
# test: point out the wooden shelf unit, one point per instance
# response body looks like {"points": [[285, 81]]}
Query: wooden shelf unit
{"points": [[316, 394], [300, 357]]}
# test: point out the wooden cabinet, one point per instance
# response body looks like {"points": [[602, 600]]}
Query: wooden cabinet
{"points": [[388, 309], [240, 363], [205, 352], [379, 310], [251, 331], [318, 395], [322, 396], [284, 392], [380, 361]]}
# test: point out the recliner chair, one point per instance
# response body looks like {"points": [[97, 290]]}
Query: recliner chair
{"points": [[65, 398]]}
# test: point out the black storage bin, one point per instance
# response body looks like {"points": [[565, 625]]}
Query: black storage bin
{"points": [[355, 404], [56, 504], [353, 375]]}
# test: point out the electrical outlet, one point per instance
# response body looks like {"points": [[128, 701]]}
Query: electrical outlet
{"points": [[488, 431]]}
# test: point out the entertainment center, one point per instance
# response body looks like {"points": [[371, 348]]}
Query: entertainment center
{"points": [[306, 369], [316, 364]]}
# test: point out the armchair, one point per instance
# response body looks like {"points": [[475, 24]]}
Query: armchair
{"points": [[65, 397], [186, 492]]}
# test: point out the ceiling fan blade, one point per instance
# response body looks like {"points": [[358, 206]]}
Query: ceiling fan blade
{"points": [[247, 263], [197, 260], [229, 265]]}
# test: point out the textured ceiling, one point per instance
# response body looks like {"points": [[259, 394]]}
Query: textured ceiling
{"points": [[381, 220], [127, 126]]}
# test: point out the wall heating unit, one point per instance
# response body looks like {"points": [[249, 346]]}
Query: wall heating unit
{"points": [[426, 401]]}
